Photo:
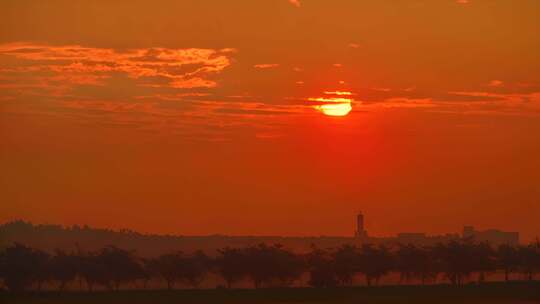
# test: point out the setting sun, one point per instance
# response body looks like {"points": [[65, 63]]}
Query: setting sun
{"points": [[338, 109], [335, 104]]}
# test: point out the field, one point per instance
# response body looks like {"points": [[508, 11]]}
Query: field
{"points": [[517, 293]]}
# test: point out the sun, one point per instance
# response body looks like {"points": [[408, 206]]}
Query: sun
{"points": [[334, 103], [338, 109]]}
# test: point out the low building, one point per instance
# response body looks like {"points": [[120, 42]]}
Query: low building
{"points": [[411, 238], [493, 236]]}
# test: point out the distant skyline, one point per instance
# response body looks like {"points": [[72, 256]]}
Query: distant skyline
{"points": [[352, 235], [271, 117], [471, 229]]}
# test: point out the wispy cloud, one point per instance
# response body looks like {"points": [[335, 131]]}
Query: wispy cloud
{"points": [[495, 83], [77, 65], [266, 65]]}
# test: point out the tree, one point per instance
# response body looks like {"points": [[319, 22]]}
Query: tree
{"points": [[64, 268], [266, 265], [346, 259], [413, 262], [321, 268], [230, 265], [508, 260], [167, 267], [407, 261], [192, 268], [288, 267], [121, 266], [375, 262], [92, 269], [483, 260], [456, 260], [529, 259], [41, 272], [21, 267], [148, 271], [179, 267]]}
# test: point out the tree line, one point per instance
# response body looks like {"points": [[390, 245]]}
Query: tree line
{"points": [[23, 268]]}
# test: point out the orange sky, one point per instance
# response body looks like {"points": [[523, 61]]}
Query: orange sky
{"points": [[199, 116]]}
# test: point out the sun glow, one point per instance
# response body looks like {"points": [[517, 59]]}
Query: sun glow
{"points": [[335, 103], [338, 109]]}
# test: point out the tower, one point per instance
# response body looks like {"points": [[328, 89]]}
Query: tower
{"points": [[360, 231], [468, 232]]}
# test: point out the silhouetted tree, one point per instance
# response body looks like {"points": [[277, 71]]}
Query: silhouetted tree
{"points": [[271, 264], [347, 262], [64, 268], [193, 268], [230, 265], [413, 262], [457, 260], [93, 270], [529, 260], [429, 267], [508, 260], [21, 266], [121, 266], [321, 268], [407, 261], [483, 260], [375, 262], [42, 270], [164, 266], [148, 271], [288, 267]]}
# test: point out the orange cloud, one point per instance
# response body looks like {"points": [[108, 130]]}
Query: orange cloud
{"points": [[495, 83], [339, 93], [266, 65], [181, 68]]}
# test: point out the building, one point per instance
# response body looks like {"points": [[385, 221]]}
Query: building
{"points": [[411, 238], [493, 236], [360, 230]]}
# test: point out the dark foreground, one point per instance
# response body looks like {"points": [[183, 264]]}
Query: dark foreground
{"points": [[520, 293]]}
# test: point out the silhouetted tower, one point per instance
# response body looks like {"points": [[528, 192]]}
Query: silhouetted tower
{"points": [[360, 231], [468, 232]]}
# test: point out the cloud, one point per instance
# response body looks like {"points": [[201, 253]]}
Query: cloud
{"points": [[266, 65], [338, 93], [295, 3], [495, 83], [78, 65], [405, 103], [251, 111]]}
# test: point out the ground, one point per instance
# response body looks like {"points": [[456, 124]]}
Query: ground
{"points": [[514, 293]]}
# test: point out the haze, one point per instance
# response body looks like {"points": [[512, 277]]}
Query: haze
{"points": [[199, 117]]}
